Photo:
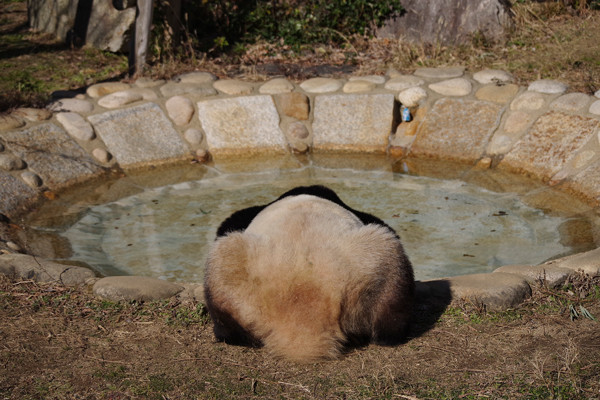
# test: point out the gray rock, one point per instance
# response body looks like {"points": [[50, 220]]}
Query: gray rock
{"points": [[202, 155], [234, 125], [358, 122], [233, 87], [120, 99], [571, 102], [193, 136], [139, 135], [457, 129], [552, 142], [402, 82], [105, 88], [517, 121], [107, 29], [276, 86], [452, 87], [358, 86], [595, 108], [550, 275], [376, 79], [76, 126], [412, 97], [496, 292], [180, 110], [588, 262], [13, 246], [31, 179], [9, 162], [171, 89], [8, 122], [498, 94], [15, 195], [321, 85], [138, 288], [110, 29], [52, 154], [191, 292], [297, 130], [295, 105], [449, 22], [22, 266], [146, 93], [102, 155], [145, 83], [196, 78], [71, 105], [488, 76], [597, 94], [32, 114], [440, 73], [547, 86], [500, 144], [528, 101]]}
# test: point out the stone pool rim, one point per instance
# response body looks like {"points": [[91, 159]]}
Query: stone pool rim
{"points": [[482, 120]]}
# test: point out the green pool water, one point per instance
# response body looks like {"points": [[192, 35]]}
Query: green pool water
{"points": [[448, 226]]}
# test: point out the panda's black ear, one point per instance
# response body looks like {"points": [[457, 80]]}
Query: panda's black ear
{"points": [[239, 220]]}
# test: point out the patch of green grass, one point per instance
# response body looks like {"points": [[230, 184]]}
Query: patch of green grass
{"points": [[467, 315], [45, 387], [114, 375], [184, 315]]}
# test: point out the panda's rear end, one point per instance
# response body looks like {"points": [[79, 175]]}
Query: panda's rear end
{"points": [[307, 277]]}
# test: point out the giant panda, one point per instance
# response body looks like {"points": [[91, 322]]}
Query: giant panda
{"points": [[306, 276]]}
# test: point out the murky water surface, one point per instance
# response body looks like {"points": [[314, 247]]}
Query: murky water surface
{"points": [[448, 227]]}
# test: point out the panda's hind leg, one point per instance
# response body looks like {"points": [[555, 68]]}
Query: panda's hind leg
{"points": [[228, 330]]}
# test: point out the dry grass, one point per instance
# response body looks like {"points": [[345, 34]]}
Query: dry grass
{"points": [[550, 40], [63, 343]]}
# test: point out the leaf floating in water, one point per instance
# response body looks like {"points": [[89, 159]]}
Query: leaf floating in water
{"points": [[205, 212], [500, 214], [468, 255]]}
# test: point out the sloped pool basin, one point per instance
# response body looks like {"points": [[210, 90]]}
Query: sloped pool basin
{"points": [[456, 222]]}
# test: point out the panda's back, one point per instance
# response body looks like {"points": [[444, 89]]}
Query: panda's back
{"points": [[300, 262]]}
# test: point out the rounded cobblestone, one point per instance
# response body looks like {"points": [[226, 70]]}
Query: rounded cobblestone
{"points": [[440, 73], [72, 105], [276, 86], [358, 86], [452, 87], [233, 87], [488, 76], [376, 79], [412, 97], [548, 86], [321, 85], [31, 179], [403, 82]]}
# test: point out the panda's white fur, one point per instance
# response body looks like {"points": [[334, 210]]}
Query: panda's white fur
{"points": [[307, 277]]}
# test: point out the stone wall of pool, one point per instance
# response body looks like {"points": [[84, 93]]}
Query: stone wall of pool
{"points": [[481, 119]]}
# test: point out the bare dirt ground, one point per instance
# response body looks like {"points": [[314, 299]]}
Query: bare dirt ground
{"points": [[62, 343]]}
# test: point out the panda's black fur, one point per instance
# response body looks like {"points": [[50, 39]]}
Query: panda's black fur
{"points": [[306, 275]]}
